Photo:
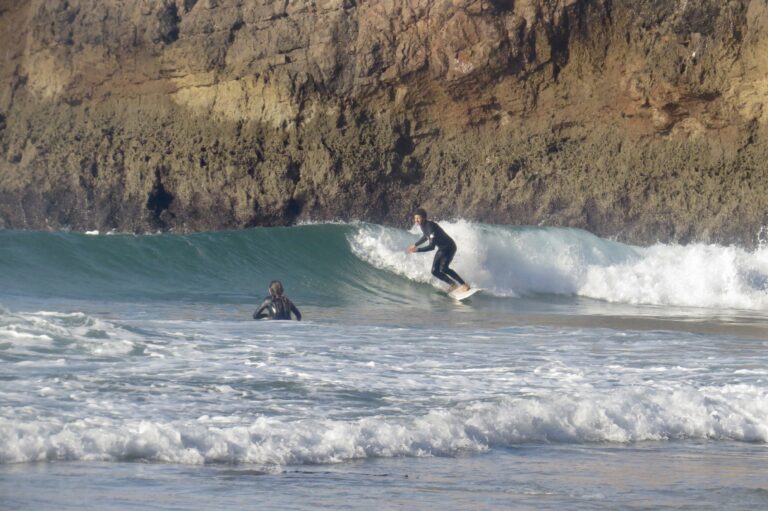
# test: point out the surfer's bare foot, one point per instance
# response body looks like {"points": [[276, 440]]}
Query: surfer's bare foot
{"points": [[464, 287], [452, 288]]}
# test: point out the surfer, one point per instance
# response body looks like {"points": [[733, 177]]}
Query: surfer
{"points": [[276, 305], [446, 249]]}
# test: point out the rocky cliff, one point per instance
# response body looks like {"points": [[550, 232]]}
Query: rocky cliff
{"points": [[643, 120]]}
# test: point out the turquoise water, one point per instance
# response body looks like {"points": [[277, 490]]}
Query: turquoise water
{"points": [[587, 375]]}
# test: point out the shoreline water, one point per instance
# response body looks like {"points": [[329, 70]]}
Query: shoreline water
{"points": [[648, 475]]}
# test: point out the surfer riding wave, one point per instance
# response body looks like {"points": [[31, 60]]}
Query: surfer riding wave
{"points": [[446, 249]]}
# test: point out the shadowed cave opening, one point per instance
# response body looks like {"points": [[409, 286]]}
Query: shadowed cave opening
{"points": [[159, 200]]}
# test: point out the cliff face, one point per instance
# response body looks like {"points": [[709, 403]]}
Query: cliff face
{"points": [[643, 120]]}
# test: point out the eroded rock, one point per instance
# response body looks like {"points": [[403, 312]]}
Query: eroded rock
{"points": [[641, 120]]}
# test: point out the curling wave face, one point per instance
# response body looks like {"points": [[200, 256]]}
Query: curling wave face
{"points": [[338, 264]]}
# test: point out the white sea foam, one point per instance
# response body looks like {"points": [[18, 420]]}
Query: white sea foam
{"points": [[40, 329], [511, 261], [731, 412], [386, 248], [695, 275]]}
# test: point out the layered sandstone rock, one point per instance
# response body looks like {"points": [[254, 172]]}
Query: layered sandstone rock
{"points": [[643, 120]]}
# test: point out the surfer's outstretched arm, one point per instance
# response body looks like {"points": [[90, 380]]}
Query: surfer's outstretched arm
{"points": [[429, 247], [412, 248], [259, 313]]}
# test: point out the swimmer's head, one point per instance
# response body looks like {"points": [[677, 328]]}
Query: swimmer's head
{"points": [[276, 288]]}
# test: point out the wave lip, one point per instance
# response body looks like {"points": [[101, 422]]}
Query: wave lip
{"points": [[731, 412]]}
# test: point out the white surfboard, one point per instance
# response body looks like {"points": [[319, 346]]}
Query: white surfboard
{"points": [[463, 295]]}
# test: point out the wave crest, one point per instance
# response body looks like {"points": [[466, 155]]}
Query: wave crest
{"points": [[515, 261], [733, 412]]}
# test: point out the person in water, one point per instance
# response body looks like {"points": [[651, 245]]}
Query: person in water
{"points": [[446, 249], [276, 305]]}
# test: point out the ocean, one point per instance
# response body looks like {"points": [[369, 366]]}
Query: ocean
{"points": [[588, 374]]}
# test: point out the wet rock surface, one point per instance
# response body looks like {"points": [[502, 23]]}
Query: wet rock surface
{"points": [[642, 120]]}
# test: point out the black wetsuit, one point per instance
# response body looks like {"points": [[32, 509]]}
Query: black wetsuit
{"points": [[446, 249], [279, 307]]}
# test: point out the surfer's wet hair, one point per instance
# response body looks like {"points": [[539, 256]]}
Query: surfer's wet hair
{"points": [[276, 288], [421, 212]]}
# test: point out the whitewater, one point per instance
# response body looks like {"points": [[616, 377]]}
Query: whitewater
{"points": [[588, 373]]}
